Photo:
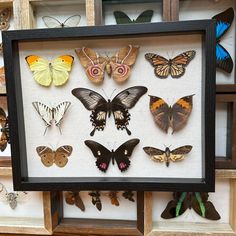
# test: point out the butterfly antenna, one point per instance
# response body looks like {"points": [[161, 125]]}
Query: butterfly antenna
{"points": [[60, 129], [105, 93], [112, 93]]}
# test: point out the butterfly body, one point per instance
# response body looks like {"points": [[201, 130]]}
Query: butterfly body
{"points": [[118, 106], [223, 23], [175, 116], [59, 156], [167, 155], [198, 201], [175, 67], [56, 71], [120, 155], [118, 67]]}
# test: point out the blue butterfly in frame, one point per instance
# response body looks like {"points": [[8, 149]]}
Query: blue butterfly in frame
{"points": [[223, 23]]}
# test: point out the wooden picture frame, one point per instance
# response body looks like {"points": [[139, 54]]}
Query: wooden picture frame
{"points": [[30, 225], [202, 229], [228, 161], [103, 227], [22, 182]]}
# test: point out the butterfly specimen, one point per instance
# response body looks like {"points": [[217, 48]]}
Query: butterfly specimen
{"points": [[73, 198], [223, 23], [2, 77], [122, 18], [120, 155], [187, 200], [56, 71], [1, 48], [128, 195], [174, 67], [59, 157], [175, 116], [10, 197], [167, 155], [52, 22], [114, 198], [5, 16], [118, 67], [49, 114], [4, 139], [119, 106], [96, 199]]}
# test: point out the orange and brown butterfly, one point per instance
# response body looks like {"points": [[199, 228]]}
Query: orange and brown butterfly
{"points": [[114, 198], [174, 67], [5, 16], [175, 116], [4, 139], [73, 198], [118, 67], [167, 155], [2, 77], [59, 156]]}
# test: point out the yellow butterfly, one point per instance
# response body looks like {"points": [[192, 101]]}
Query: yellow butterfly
{"points": [[46, 72]]}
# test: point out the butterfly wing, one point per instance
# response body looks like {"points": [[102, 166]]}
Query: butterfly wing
{"points": [[121, 63], [114, 198], [51, 22], [94, 102], [74, 198], [178, 64], [94, 64], [124, 101], [2, 76], [5, 16], [181, 111], [155, 154], [123, 153], [160, 111], [176, 207], [179, 153], [61, 66], [203, 207], [223, 59], [40, 68], [62, 154], [145, 16], [102, 154], [72, 21], [59, 112], [47, 155], [161, 65], [128, 195], [45, 112], [223, 23], [122, 18]]}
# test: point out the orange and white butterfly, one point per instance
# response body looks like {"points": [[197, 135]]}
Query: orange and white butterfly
{"points": [[174, 67], [118, 67]]}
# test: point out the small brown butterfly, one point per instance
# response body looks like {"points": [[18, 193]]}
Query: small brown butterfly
{"points": [[59, 157], [96, 199], [5, 16], [166, 156], [2, 78], [128, 195], [166, 116], [73, 198], [114, 198], [118, 67], [4, 139], [1, 48], [174, 67]]}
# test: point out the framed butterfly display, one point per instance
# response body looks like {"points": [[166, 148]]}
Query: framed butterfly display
{"points": [[73, 128]]}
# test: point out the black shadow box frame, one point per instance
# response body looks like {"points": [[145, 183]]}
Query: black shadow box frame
{"points": [[23, 182]]}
